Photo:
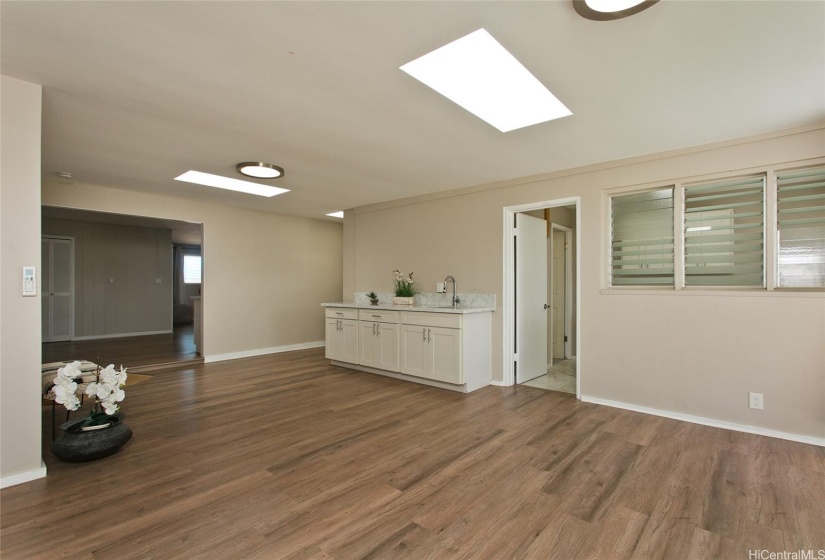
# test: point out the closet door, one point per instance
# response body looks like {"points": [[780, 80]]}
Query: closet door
{"points": [[57, 288]]}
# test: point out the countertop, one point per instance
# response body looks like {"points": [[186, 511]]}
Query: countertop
{"points": [[462, 310]]}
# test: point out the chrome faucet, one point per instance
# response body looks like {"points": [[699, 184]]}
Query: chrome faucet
{"points": [[454, 301]]}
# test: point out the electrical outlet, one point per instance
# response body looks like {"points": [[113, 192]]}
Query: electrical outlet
{"points": [[755, 400], [441, 287], [158, 281]]}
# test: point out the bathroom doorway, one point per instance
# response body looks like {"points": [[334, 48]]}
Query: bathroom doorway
{"points": [[541, 295]]}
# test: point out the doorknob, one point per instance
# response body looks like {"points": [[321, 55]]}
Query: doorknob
{"points": [[546, 306]]}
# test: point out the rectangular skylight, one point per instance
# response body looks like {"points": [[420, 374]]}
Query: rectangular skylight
{"points": [[479, 74], [220, 182], [338, 214]]}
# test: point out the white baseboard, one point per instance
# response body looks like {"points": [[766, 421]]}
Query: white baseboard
{"points": [[498, 383], [119, 335], [708, 421], [262, 351], [20, 478]]}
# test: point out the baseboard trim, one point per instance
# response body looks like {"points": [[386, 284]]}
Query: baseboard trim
{"points": [[498, 383], [404, 377], [120, 335], [708, 421], [20, 478], [262, 351]]}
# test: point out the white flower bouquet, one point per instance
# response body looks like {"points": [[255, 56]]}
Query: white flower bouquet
{"points": [[106, 390], [403, 286]]}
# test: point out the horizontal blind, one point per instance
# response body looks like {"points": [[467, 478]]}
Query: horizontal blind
{"points": [[642, 239], [724, 233], [801, 222]]}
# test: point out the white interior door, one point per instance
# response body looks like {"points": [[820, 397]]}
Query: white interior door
{"points": [[558, 287], [531, 297], [57, 285]]}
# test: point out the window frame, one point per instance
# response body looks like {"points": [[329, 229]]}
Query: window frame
{"points": [[769, 228]]}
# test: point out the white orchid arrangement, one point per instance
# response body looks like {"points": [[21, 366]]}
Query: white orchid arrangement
{"points": [[106, 390], [404, 286]]}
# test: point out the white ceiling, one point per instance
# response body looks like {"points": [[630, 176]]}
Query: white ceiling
{"points": [[136, 93]]}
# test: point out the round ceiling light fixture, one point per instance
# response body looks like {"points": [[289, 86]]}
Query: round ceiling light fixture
{"points": [[605, 10], [260, 170]]}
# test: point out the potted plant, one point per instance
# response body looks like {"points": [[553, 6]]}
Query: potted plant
{"points": [[404, 289], [102, 432], [373, 298]]}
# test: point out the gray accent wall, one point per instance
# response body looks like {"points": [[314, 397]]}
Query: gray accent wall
{"points": [[134, 259]]}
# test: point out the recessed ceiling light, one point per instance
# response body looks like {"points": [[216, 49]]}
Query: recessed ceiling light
{"points": [[63, 174], [231, 184], [479, 74], [338, 214], [260, 170], [603, 10]]}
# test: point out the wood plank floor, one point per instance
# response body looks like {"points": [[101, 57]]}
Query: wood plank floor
{"points": [[133, 352], [285, 456]]}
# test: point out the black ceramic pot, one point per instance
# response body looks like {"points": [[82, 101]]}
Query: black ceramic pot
{"points": [[75, 445]]}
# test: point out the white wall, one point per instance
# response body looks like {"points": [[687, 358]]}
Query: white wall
{"points": [[264, 277], [134, 258], [20, 106], [697, 354]]}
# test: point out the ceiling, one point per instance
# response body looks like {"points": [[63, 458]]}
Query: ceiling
{"points": [[136, 93]]}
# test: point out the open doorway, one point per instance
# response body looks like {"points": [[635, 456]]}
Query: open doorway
{"points": [[125, 309], [541, 295]]}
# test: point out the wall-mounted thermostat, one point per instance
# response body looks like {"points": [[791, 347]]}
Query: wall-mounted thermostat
{"points": [[29, 281]]}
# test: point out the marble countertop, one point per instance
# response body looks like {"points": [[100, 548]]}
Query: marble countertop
{"points": [[460, 309]]}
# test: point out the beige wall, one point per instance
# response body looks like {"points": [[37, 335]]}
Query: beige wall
{"points": [[134, 257], [20, 105], [264, 274], [697, 354]]}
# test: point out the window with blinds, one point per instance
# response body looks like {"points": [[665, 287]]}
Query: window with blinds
{"points": [[800, 200], [642, 238], [724, 233]]}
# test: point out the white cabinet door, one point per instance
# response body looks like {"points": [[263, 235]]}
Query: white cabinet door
{"points": [[349, 341], [414, 352], [387, 343], [342, 340], [335, 341], [445, 355], [369, 354]]}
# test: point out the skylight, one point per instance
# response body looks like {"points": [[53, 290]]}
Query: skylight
{"points": [[478, 74], [220, 182]]}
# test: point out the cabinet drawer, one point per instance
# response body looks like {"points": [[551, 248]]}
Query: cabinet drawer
{"points": [[378, 316], [448, 320], [341, 313]]}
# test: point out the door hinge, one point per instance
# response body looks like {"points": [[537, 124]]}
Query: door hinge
{"points": [[515, 357], [565, 338], [515, 232]]}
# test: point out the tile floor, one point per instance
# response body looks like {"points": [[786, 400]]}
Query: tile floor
{"points": [[561, 376]]}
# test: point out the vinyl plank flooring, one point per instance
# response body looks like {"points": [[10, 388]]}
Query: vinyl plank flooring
{"points": [[285, 456]]}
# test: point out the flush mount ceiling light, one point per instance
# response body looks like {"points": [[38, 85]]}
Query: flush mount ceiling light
{"points": [[338, 214], [220, 182], [478, 74], [605, 10], [260, 170]]}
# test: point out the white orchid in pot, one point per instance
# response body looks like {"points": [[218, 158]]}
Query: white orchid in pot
{"points": [[105, 389]]}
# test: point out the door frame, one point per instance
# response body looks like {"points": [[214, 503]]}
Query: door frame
{"points": [[71, 241], [568, 283], [508, 289]]}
